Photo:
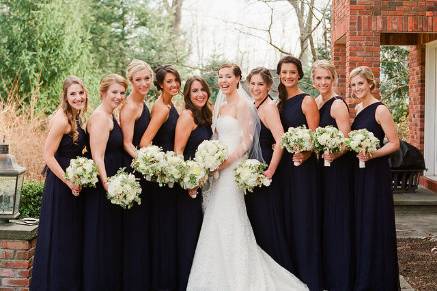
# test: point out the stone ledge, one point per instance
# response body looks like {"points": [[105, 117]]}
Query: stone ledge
{"points": [[13, 231]]}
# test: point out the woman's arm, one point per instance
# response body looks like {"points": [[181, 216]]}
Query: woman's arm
{"points": [[127, 122], [184, 127], [58, 127], [273, 123], [99, 127], [159, 115], [385, 119]]}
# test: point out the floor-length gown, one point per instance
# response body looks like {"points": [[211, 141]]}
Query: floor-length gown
{"points": [[264, 210], [375, 232], [103, 226], [58, 256], [302, 204], [163, 217], [189, 212], [337, 191], [227, 256], [137, 271]]}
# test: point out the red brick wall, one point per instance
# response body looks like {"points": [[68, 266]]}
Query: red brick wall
{"points": [[16, 264]]}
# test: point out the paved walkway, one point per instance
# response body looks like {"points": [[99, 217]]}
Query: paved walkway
{"points": [[416, 217]]}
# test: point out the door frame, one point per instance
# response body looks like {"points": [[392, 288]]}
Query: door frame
{"points": [[430, 125]]}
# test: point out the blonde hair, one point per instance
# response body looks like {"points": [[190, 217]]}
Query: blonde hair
{"points": [[366, 73], [136, 66], [72, 115], [326, 65], [110, 79]]}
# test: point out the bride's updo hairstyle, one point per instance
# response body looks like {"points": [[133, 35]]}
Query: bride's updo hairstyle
{"points": [[235, 69], [201, 116], [161, 72], [283, 95]]}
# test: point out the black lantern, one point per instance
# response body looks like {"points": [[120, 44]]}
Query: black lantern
{"points": [[11, 182]]}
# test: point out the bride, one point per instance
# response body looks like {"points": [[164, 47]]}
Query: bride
{"points": [[227, 256]]}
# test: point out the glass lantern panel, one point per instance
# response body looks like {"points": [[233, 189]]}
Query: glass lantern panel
{"points": [[7, 194], [20, 179]]}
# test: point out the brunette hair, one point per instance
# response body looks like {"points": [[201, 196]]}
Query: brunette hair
{"points": [[263, 72], [202, 116], [283, 95], [72, 115], [162, 71], [235, 70]]}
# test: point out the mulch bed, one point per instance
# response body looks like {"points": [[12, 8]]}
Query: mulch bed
{"points": [[418, 262]]}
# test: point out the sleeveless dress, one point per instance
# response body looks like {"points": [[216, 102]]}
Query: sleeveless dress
{"points": [[103, 226], [337, 192], [227, 256], [375, 233], [264, 209], [137, 271], [58, 257], [189, 212], [163, 217], [302, 203]]}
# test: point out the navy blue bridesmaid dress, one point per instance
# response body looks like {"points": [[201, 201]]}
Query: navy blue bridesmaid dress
{"points": [[189, 212], [137, 260], [103, 226], [301, 203], [337, 191], [58, 256], [163, 219], [375, 232], [264, 209]]}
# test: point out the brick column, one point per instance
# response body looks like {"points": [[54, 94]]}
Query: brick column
{"points": [[416, 84], [339, 61], [17, 248]]}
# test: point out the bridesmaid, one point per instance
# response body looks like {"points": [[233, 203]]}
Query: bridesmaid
{"points": [[163, 215], [103, 235], [193, 127], [375, 233], [301, 197], [134, 118], [336, 184], [263, 205], [58, 255]]}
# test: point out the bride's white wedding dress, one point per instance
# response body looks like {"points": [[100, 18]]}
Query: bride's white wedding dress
{"points": [[227, 256]]}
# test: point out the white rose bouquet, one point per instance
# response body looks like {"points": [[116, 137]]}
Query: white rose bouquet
{"points": [[328, 139], [250, 174], [124, 189], [173, 169], [82, 171], [298, 139], [362, 141], [195, 175], [149, 162], [210, 154]]}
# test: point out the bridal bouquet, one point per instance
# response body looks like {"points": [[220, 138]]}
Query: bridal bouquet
{"points": [[364, 141], [195, 175], [250, 174], [124, 189], [210, 154], [328, 139], [297, 139], [149, 162], [82, 171], [172, 170]]}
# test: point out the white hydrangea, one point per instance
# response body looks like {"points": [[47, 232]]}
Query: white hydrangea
{"points": [[211, 154], [149, 162], [173, 170], [82, 171], [124, 189], [362, 141], [328, 139], [195, 175], [250, 174], [298, 139]]}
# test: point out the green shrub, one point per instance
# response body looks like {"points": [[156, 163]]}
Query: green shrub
{"points": [[31, 197]]}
